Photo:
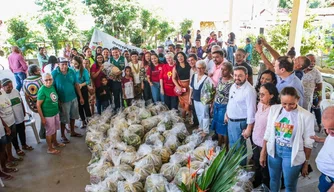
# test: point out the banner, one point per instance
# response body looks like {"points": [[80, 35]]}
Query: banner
{"points": [[105, 40]]}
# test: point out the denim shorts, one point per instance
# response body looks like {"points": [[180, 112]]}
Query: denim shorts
{"points": [[69, 110]]}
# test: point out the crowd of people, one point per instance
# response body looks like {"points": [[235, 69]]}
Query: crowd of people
{"points": [[274, 112]]}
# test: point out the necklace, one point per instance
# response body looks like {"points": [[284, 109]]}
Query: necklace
{"points": [[135, 69]]}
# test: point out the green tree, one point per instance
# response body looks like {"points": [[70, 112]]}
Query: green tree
{"points": [[279, 37], [21, 36], [57, 20], [185, 25]]}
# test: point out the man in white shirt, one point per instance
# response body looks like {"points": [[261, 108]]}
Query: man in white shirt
{"points": [[241, 108], [325, 158]]}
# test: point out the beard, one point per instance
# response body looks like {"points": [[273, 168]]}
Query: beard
{"points": [[239, 82]]}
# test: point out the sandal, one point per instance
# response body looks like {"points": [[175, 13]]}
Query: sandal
{"points": [[27, 147], [10, 170], [64, 140], [17, 159], [53, 152], [59, 145], [7, 177], [20, 153], [12, 164], [76, 135]]}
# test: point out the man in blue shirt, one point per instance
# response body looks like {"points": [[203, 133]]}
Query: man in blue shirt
{"points": [[286, 77], [248, 48], [67, 86]]}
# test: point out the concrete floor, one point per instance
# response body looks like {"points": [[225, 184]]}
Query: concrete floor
{"points": [[41, 172]]}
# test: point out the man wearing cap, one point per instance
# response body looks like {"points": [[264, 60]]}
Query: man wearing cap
{"points": [[325, 158], [67, 86]]}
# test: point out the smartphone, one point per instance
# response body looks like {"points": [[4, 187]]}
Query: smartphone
{"points": [[259, 41]]}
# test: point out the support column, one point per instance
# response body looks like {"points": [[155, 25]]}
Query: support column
{"points": [[234, 17], [297, 22]]}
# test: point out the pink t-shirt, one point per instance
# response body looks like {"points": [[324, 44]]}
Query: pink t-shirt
{"points": [[260, 125], [217, 73]]}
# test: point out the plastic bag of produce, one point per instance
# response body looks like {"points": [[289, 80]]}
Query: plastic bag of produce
{"points": [[144, 113], [243, 181], [100, 187], [184, 175], [208, 92], [137, 129], [128, 158], [151, 132], [143, 170], [154, 139], [165, 124], [121, 124], [157, 108], [261, 188], [186, 148], [93, 138], [171, 187], [131, 183], [169, 170], [163, 152], [146, 156], [97, 170], [194, 138], [150, 122], [155, 183], [172, 142], [131, 138], [205, 150], [114, 135], [180, 130]]}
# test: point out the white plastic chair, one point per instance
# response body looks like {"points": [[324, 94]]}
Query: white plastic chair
{"points": [[31, 122], [326, 103], [324, 86], [1, 183]]}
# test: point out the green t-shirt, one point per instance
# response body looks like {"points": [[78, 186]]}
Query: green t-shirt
{"points": [[50, 101], [249, 49]]}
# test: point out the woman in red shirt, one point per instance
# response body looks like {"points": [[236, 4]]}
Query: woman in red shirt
{"points": [[153, 78], [145, 86], [166, 83]]}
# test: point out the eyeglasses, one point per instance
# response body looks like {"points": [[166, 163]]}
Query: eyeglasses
{"points": [[46, 80]]}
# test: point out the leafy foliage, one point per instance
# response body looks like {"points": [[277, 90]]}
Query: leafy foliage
{"points": [[287, 4], [57, 19], [221, 174], [185, 25]]}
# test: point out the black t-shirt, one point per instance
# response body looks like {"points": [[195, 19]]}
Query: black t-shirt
{"points": [[187, 38], [183, 73], [103, 93], [249, 68], [198, 37]]}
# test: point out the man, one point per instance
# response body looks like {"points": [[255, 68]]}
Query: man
{"points": [[301, 63], [126, 55], [312, 81], [186, 40], [286, 77], [18, 66], [209, 60], [220, 36], [116, 86], [42, 58], [178, 48], [171, 48], [241, 108], [135, 68], [249, 50], [215, 71], [168, 42], [199, 48], [240, 56], [193, 50], [67, 86], [161, 54], [325, 158], [198, 35]]}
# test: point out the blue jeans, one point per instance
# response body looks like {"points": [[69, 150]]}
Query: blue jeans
{"points": [[230, 56], [19, 77], [282, 163], [156, 95], [325, 183], [234, 130]]}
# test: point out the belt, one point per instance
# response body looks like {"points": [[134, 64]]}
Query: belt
{"points": [[328, 178], [283, 144], [237, 120]]}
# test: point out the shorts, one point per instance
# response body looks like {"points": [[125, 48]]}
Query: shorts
{"points": [[13, 134], [51, 125], [69, 110]]}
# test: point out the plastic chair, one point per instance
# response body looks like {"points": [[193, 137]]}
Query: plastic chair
{"points": [[326, 103], [32, 123], [1, 183]]}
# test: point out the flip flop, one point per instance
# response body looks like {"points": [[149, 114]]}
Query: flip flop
{"points": [[17, 159], [54, 152], [60, 145], [12, 164], [11, 170], [20, 153], [76, 135], [27, 147], [64, 140], [7, 177]]}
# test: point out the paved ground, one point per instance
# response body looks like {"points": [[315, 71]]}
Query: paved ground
{"points": [[40, 172]]}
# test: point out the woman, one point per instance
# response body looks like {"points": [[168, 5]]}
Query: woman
{"points": [[268, 97], [153, 74], [31, 86], [231, 47], [196, 86], [220, 103], [83, 77], [166, 83], [181, 79], [98, 50], [96, 75], [192, 59], [91, 88], [52, 64], [266, 76], [48, 110], [143, 78], [287, 141], [88, 55], [74, 52], [106, 54], [67, 51]]}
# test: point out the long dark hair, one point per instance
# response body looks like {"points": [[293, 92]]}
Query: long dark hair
{"points": [[144, 60], [99, 54], [79, 60], [272, 91], [273, 77], [232, 36], [52, 60], [184, 56], [151, 64]]}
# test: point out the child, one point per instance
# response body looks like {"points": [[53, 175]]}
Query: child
{"points": [[127, 86], [104, 93], [19, 114]]}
